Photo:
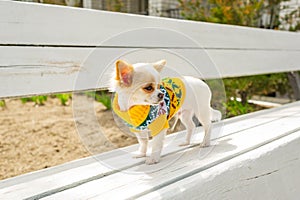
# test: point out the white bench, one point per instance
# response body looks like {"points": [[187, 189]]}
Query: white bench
{"points": [[50, 49]]}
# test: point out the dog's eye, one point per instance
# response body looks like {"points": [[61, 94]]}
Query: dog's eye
{"points": [[149, 88]]}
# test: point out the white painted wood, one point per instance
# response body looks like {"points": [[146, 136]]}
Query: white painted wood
{"points": [[268, 172], [48, 49], [37, 70], [235, 126], [49, 24], [194, 161], [84, 170], [44, 49]]}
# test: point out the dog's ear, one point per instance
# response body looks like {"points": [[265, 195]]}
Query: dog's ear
{"points": [[124, 73], [159, 65]]}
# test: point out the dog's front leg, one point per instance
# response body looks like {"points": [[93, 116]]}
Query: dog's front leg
{"points": [[142, 138], [157, 145]]}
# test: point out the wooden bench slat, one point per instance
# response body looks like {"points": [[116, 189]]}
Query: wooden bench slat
{"points": [[268, 172], [30, 70], [87, 169], [57, 25], [193, 162], [243, 128], [43, 52], [44, 44]]}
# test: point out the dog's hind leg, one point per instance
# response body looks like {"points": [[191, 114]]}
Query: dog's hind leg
{"points": [[187, 119], [207, 135], [176, 118], [205, 119]]}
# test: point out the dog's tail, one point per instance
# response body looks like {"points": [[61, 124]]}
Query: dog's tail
{"points": [[215, 115]]}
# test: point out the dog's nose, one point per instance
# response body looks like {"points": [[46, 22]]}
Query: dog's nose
{"points": [[160, 95]]}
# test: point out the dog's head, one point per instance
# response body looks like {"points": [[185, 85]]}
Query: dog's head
{"points": [[138, 84]]}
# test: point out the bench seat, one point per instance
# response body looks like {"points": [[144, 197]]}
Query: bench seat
{"points": [[250, 152]]}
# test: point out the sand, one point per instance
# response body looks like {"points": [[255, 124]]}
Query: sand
{"points": [[37, 137]]}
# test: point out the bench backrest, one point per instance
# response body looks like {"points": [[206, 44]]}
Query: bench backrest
{"points": [[48, 49]]}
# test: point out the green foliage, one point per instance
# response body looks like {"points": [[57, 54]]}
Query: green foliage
{"points": [[56, 2], [105, 99], [244, 13], [38, 100], [246, 87], [291, 20], [2, 104], [238, 12], [115, 5], [234, 108], [64, 98], [101, 96]]}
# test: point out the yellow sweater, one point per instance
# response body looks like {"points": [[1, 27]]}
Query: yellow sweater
{"points": [[154, 118]]}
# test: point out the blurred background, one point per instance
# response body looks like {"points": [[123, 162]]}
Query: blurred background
{"points": [[271, 14]]}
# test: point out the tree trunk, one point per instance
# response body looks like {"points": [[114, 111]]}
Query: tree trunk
{"points": [[243, 95]]}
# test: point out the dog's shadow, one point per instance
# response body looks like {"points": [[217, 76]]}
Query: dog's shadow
{"points": [[224, 146], [207, 156], [216, 149]]}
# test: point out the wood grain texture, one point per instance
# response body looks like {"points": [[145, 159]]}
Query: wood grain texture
{"points": [[193, 162], [268, 172], [55, 25], [47, 49], [42, 70], [229, 139]]}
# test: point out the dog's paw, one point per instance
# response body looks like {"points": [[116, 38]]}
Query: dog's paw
{"points": [[184, 144], [140, 155], [151, 160], [205, 144]]}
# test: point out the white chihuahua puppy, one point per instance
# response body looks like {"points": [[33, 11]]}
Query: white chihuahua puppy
{"points": [[146, 103]]}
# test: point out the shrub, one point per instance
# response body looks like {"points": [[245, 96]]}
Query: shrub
{"points": [[2, 104], [38, 100], [101, 96], [104, 98], [235, 108], [64, 98]]}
